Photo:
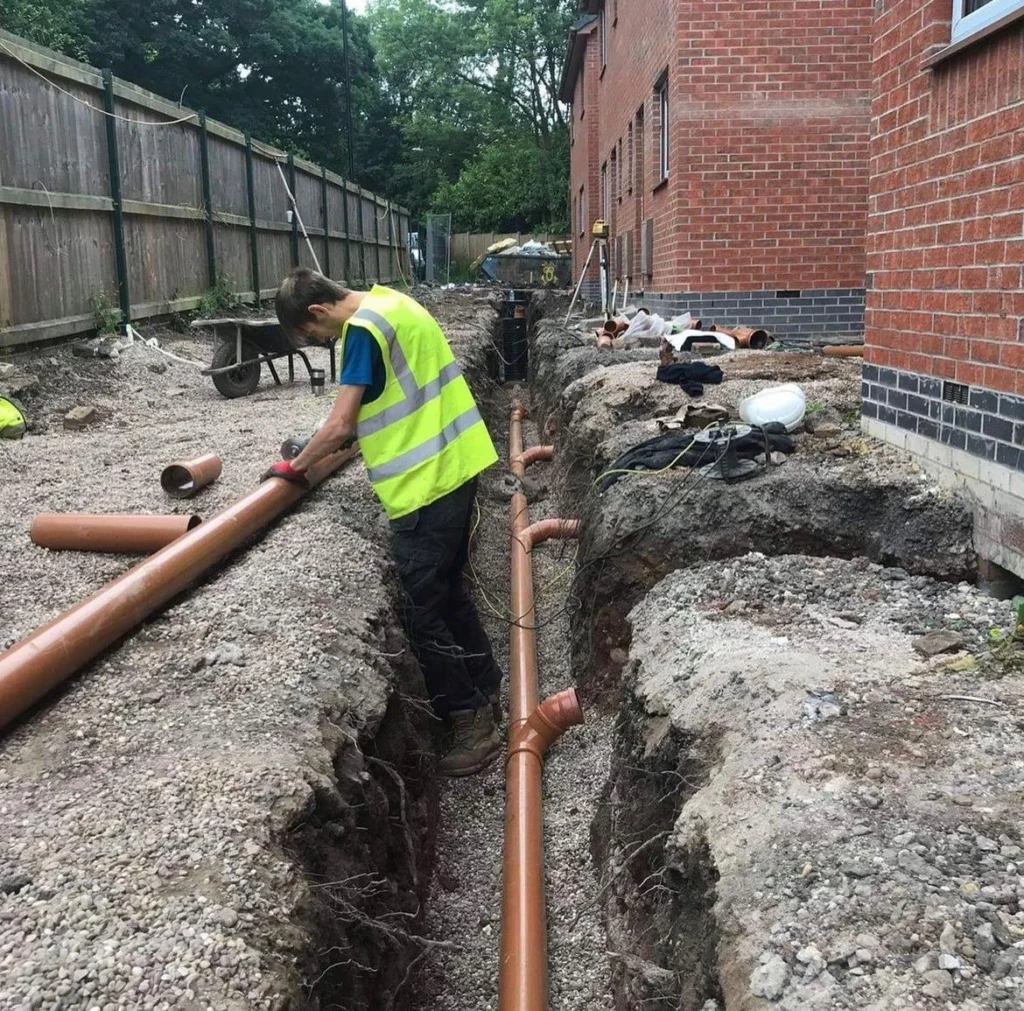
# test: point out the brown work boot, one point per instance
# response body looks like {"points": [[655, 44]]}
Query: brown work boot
{"points": [[476, 743]]}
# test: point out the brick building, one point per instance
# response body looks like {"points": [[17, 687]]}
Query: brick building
{"points": [[943, 372], [726, 144]]}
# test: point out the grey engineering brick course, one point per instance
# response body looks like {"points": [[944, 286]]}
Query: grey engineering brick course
{"points": [[990, 425], [825, 311]]}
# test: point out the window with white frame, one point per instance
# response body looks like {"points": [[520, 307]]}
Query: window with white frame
{"points": [[971, 16], [583, 211], [663, 132]]}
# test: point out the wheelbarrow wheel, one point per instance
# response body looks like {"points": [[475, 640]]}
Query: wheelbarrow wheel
{"points": [[241, 381]]}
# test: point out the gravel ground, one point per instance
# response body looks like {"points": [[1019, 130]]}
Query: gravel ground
{"points": [[465, 905], [145, 803], [860, 802]]}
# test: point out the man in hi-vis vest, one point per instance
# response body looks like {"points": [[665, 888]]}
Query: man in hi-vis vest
{"points": [[403, 396]]}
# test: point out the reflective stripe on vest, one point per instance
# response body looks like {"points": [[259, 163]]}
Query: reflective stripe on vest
{"points": [[415, 395], [425, 450]]}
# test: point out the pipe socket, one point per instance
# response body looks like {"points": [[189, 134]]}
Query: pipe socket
{"points": [[535, 454], [184, 478], [114, 532], [546, 724]]}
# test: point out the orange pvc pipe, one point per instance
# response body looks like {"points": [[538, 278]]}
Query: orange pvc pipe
{"points": [[126, 533], [185, 477], [51, 654], [533, 727], [523, 969], [844, 350]]}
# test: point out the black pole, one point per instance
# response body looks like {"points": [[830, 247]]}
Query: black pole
{"points": [[327, 220], [204, 167], [348, 238], [295, 210], [254, 254], [120, 260], [348, 89], [376, 236]]}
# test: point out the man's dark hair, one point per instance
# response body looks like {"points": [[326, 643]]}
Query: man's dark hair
{"points": [[301, 289]]}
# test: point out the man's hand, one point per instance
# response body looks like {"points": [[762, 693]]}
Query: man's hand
{"points": [[284, 468]]}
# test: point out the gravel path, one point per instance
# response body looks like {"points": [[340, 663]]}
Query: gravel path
{"points": [[465, 905], [144, 855]]}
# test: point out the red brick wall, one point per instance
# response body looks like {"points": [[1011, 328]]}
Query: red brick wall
{"points": [[769, 108], [945, 243], [584, 164]]}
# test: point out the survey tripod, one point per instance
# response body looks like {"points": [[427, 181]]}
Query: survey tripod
{"points": [[600, 245]]}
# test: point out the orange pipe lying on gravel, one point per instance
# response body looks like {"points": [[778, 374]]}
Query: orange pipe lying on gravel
{"points": [[844, 350], [185, 477], [523, 968], [127, 533], [51, 654]]}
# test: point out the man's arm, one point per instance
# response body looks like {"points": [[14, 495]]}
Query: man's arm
{"points": [[338, 429]]}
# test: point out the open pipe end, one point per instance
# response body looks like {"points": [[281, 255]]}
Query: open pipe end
{"points": [[176, 480], [562, 710], [184, 478]]}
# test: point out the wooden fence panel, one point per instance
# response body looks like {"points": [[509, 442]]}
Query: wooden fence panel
{"points": [[32, 115], [231, 243], [160, 164], [227, 178]]}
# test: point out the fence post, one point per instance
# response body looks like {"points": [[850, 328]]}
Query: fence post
{"points": [[295, 209], [362, 239], [204, 169], [392, 249], [376, 236], [348, 238], [254, 252], [326, 220], [120, 260]]}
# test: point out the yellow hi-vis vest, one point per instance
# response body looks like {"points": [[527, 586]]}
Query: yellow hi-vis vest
{"points": [[423, 436]]}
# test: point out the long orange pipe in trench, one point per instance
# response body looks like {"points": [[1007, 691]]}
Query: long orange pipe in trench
{"points": [[533, 727], [51, 654]]}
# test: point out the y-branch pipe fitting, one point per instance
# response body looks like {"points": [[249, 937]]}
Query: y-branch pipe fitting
{"points": [[51, 654], [533, 727]]}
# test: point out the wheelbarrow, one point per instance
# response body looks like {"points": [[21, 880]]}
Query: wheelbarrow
{"points": [[244, 345]]}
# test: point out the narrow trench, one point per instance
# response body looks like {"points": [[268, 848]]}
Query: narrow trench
{"points": [[406, 867]]}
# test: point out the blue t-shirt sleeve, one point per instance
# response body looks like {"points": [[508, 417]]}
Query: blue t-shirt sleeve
{"points": [[357, 366]]}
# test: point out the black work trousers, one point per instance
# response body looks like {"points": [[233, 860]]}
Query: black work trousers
{"points": [[431, 548]]}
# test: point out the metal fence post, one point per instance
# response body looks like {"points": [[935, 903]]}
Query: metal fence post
{"points": [[362, 239], [376, 236], [327, 220], [254, 253], [348, 237], [295, 207], [120, 260], [204, 168]]}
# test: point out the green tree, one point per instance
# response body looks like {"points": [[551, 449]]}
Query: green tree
{"points": [[46, 22], [474, 89]]}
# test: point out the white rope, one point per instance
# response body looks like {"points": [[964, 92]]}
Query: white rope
{"points": [[295, 211], [151, 343]]}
